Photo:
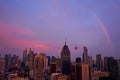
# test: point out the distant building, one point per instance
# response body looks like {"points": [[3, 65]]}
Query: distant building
{"points": [[97, 74], [111, 66], [99, 62], [15, 77], [25, 55], [74, 73], [13, 61], [49, 60], [60, 76], [63, 77], [83, 72], [18, 62], [31, 61], [65, 60], [54, 76], [39, 67], [78, 60], [58, 65], [2, 65], [119, 67], [53, 67], [85, 55], [53, 59], [90, 62], [6, 61], [80, 71]]}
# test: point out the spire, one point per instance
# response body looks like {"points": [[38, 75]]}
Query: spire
{"points": [[65, 40]]}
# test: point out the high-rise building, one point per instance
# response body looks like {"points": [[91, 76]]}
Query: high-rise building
{"points": [[90, 62], [119, 67], [6, 62], [25, 55], [2, 65], [78, 60], [9, 60], [84, 71], [18, 62], [53, 67], [85, 55], [53, 59], [73, 71], [96, 75], [111, 66], [80, 71], [99, 62], [65, 60], [31, 61], [49, 60], [14, 59], [58, 65], [39, 67]]}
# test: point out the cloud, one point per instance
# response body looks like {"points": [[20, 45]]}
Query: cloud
{"points": [[12, 36]]}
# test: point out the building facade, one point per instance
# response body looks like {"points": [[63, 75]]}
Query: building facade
{"points": [[65, 60]]}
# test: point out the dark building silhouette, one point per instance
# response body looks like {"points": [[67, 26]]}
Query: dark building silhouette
{"points": [[99, 62], [78, 60], [111, 66], [48, 60], [85, 55], [65, 60], [53, 67], [80, 71]]}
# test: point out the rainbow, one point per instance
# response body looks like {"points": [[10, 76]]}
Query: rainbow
{"points": [[102, 26]]}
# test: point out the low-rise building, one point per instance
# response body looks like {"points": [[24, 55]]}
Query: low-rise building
{"points": [[97, 74]]}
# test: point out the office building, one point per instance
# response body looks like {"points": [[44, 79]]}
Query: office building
{"points": [[85, 55], [111, 66], [39, 67], [25, 55], [53, 67], [90, 62], [65, 60], [2, 65], [99, 62], [78, 60]]}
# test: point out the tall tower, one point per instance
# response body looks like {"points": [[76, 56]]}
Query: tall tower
{"points": [[99, 62], [85, 55], [25, 55], [65, 60], [39, 67]]}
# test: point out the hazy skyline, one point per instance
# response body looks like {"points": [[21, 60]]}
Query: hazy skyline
{"points": [[43, 25]]}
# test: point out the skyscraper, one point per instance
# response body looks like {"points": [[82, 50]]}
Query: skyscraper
{"points": [[65, 60], [119, 67], [80, 71], [2, 65], [83, 72], [53, 67], [31, 61], [78, 60], [111, 66], [39, 67], [99, 62], [85, 55], [58, 64], [6, 62], [25, 55], [90, 62]]}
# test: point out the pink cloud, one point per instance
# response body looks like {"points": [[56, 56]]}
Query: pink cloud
{"points": [[8, 37]]}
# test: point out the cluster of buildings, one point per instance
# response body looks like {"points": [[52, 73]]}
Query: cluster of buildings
{"points": [[35, 66]]}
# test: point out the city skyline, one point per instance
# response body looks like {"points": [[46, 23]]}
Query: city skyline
{"points": [[34, 66], [43, 26]]}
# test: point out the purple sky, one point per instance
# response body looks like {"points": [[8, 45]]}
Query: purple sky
{"points": [[44, 24]]}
